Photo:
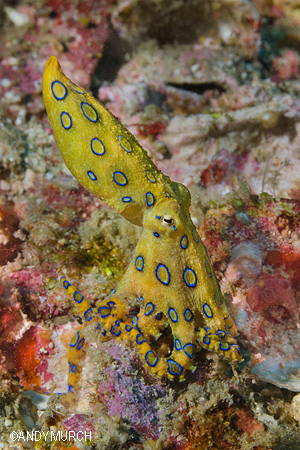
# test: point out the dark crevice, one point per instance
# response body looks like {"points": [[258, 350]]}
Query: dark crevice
{"points": [[91, 25], [113, 58], [154, 97], [64, 46], [198, 88], [53, 15]]}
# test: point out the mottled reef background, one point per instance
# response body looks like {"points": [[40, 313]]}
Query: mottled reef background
{"points": [[211, 89]]}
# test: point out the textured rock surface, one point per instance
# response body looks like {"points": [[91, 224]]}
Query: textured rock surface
{"points": [[210, 101]]}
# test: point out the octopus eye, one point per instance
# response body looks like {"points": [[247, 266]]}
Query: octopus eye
{"points": [[167, 221]]}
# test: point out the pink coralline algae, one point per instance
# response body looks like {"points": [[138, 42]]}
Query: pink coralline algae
{"points": [[75, 30], [87, 25], [208, 111], [263, 277], [214, 173], [287, 66], [129, 396], [9, 244], [79, 423], [29, 283], [24, 346], [274, 298], [10, 318], [29, 357]]}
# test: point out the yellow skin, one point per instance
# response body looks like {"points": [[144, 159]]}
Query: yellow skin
{"points": [[170, 274]]}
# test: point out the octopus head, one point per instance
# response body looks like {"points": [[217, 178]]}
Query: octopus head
{"points": [[167, 219]]}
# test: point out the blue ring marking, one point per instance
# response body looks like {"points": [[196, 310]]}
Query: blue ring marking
{"points": [[163, 282], [149, 308], [178, 345], [104, 333], [237, 348], [188, 315], [70, 388], [125, 179], [74, 297], [62, 120], [72, 85], [74, 345], [220, 297], [189, 349], [94, 151], [86, 313], [91, 175], [70, 366], [126, 150], [185, 280], [206, 340], [148, 171], [158, 217], [227, 331], [106, 311], [117, 323], [156, 234], [227, 318], [174, 228], [147, 356], [215, 297], [196, 240], [64, 95], [74, 368], [139, 260], [207, 311], [150, 199], [126, 199], [134, 321], [140, 339], [112, 331], [220, 333], [141, 301], [66, 284], [173, 315], [184, 242], [159, 316], [224, 349], [227, 328], [80, 344], [98, 326], [92, 120], [207, 329], [128, 328], [170, 362], [167, 195], [206, 264], [111, 304]]}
